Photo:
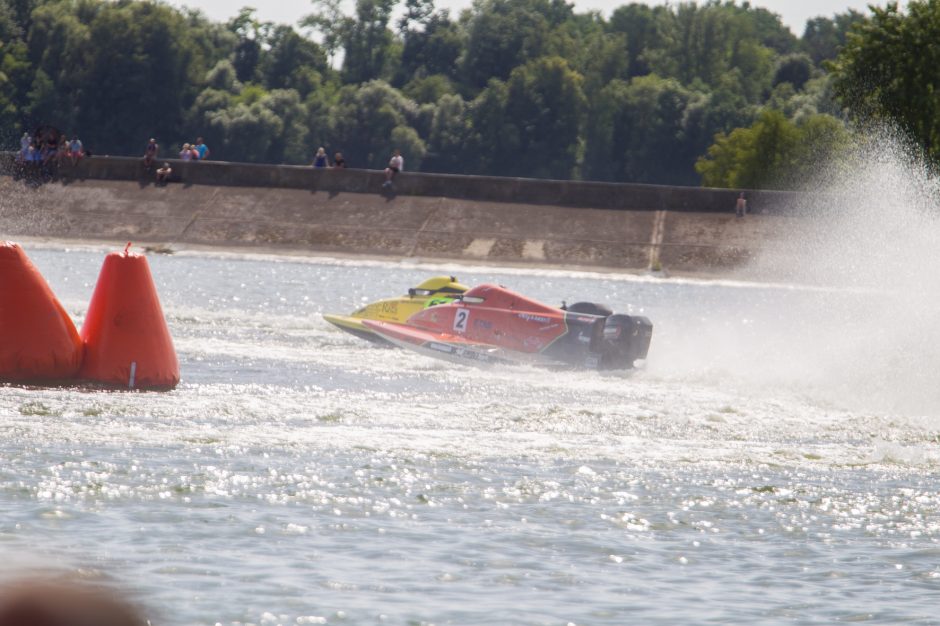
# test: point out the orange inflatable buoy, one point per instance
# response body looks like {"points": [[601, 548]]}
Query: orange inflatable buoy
{"points": [[38, 341], [127, 342]]}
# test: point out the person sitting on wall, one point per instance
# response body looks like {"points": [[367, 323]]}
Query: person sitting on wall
{"points": [[163, 174], [49, 150], [320, 159], [24, 153], [339, 161], [395, 165], [62, 152], [76, 149], [150, 152]]}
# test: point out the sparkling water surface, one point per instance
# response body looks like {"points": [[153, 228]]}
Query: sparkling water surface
{"points": [[775, 460]]}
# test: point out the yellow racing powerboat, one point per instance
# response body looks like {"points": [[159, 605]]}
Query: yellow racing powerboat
{"points": [[433, 291]]}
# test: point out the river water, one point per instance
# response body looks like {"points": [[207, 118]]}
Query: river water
{"points": [[775, 460]]}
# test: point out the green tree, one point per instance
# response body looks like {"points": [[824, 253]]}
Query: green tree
{"points": [[752, 158], [255, 125], [635, 132], [450, 132], [529, 125], [58, 41], [774, 153], [139, 77], [648, 32], [367, 41], [824, 37], [888, 70], [20, 14], [769, 30], [429, 89], [368, 121], [290, 145], [824, 139], [707, 42], [494, 140], [330, 22], [416, 12], [707, 115], [116, 72], [795, 69], [546, 103], [606, 59], [15, 72], [251, 34], [590, 49], [503, 34], [431, 47], [292, 62], [816, 97], [510, 87], [246, 131]]}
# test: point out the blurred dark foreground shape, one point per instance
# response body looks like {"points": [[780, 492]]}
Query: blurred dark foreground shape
{"points": [[39, 603]]}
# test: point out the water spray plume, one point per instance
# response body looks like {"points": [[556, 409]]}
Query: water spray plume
{"points": [[858, 327]]}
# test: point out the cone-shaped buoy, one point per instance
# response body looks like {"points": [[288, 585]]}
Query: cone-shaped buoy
{"points": [[38, 341], [127, 342]]}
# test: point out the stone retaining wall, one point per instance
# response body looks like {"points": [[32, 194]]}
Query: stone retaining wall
{"points": [[489, 188], [628, 227]]}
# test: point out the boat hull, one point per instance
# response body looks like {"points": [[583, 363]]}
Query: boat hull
{"points": [[491, 324], [439, 345], [354, 326]]}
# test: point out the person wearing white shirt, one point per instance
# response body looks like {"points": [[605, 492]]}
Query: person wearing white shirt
{"points": [[395, 164]]}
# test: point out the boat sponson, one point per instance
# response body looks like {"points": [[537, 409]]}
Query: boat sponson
{"points": [[354, 326]]}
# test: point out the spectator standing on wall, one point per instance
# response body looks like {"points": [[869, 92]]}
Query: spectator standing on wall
{"points": [[150, 152], [201, 149], [740, 207], [395, 165], [320, 159]]}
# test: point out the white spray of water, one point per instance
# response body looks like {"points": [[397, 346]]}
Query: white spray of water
{"points": [[868, 234]]}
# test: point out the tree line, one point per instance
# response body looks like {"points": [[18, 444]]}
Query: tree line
{"points": [[715, 92]]}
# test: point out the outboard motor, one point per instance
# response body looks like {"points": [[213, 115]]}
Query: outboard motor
{"points": [[626, 338], [591, 308]]}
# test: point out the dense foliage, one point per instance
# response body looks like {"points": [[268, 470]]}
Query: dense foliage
{"points": [[890, 70], [774, 152], [509, 87]]}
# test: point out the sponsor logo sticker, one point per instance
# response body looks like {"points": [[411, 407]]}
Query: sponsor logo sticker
{"points": [[529, 317]]}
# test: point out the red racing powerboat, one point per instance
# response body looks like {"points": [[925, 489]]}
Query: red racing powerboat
{"points": [[491, 324]]}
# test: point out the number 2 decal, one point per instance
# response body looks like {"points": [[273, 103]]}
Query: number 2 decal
{"points": [[460, 320]]}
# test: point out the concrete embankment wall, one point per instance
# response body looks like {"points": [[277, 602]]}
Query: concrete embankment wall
{"points": [[429, 216]]}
